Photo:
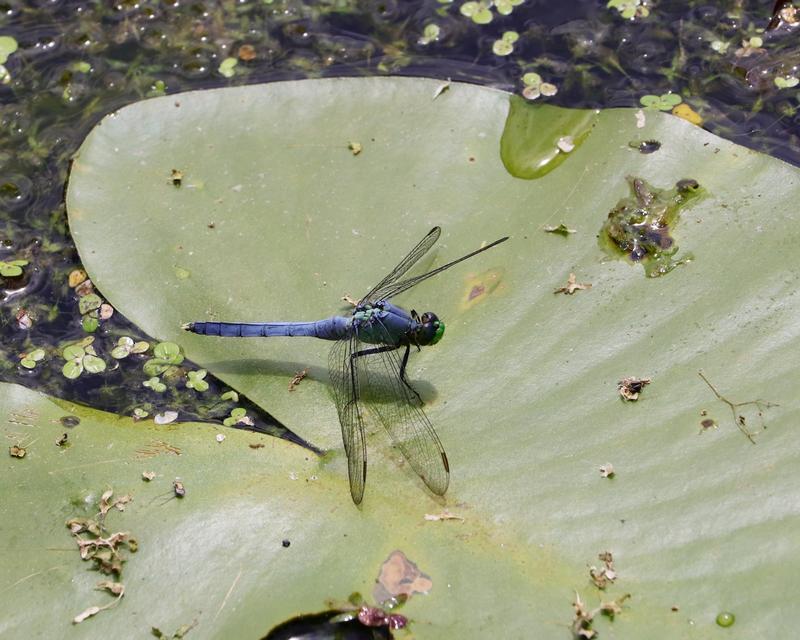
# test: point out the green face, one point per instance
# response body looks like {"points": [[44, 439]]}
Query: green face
{"points": [[431, 330], [439, 331]]}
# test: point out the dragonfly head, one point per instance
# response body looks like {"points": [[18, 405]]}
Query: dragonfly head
{"points": [[430, 330]]}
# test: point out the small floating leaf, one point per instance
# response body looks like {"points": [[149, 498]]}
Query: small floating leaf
{"points": [[502, 48], [155, 384], [429, 34], [168, 351], [72, 369], [12, 268], [228, 67], [166, 417], [786, 82], [73, 352], [8, 45], [123, 348], [93, 364], [196, 380], [532, 79], [684, 111], [89, 303], [664, 102], [89, 323], [76, 276]]}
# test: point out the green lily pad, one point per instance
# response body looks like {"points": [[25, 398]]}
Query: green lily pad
{"points": [[523, 389], [222, 544]]}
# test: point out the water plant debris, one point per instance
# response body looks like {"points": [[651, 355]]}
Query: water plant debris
{"points": [[630, 388], [639, 227], [583, 622], [606, 574], [572, 286], [738, 418], [300, 375]]}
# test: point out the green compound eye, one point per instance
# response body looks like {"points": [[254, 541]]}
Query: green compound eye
{"points": [[439, 332]]}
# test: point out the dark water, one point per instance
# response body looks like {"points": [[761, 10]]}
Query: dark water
{"points": [[77, 61]]}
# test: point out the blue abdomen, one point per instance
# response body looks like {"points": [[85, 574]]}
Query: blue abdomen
{"points": [[334, 328]]}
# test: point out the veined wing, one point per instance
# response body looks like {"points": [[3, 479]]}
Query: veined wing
{"points": [[346, 381], [405, 264], [393, 288], [400, 412]]}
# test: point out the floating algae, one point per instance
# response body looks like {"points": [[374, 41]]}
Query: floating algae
{"points": [[640, 226]]}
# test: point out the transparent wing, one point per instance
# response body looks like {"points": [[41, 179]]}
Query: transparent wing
{"points": [[393, 288], [400, 412], [346, 381], [405, 264]]}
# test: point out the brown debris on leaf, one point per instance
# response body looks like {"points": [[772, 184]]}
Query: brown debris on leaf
{"points": [[561, 229], [441, 517], [607, 470], [180, 632], [116, 588], [297, 378], [16, 451], [582, 623], [106, 504], [155, 448], [572, 286], [606, 574], [630, 388], [738, 418], [103, 548], [708, 423]]}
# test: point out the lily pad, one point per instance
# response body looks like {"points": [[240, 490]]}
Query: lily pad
{"points": [[523, 389], [220, 554]]}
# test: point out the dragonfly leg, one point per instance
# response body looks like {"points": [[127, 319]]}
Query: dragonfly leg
{"points": [[368, 352], [403, 373]]}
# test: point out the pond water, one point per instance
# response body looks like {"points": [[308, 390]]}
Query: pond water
{"points": [[731, 66]]}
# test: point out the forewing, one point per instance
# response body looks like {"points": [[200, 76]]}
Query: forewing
{"points": [[399, 410], [405, 264], [393, 288], [346, 381]]}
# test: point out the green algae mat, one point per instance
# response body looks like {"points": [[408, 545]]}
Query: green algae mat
{"points": [[567, 500]]}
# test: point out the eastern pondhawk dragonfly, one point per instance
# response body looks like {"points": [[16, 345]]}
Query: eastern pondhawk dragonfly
{"points": [[367, 368]]}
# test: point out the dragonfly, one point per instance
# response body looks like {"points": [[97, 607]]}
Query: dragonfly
{"points": [[367, 366]]}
